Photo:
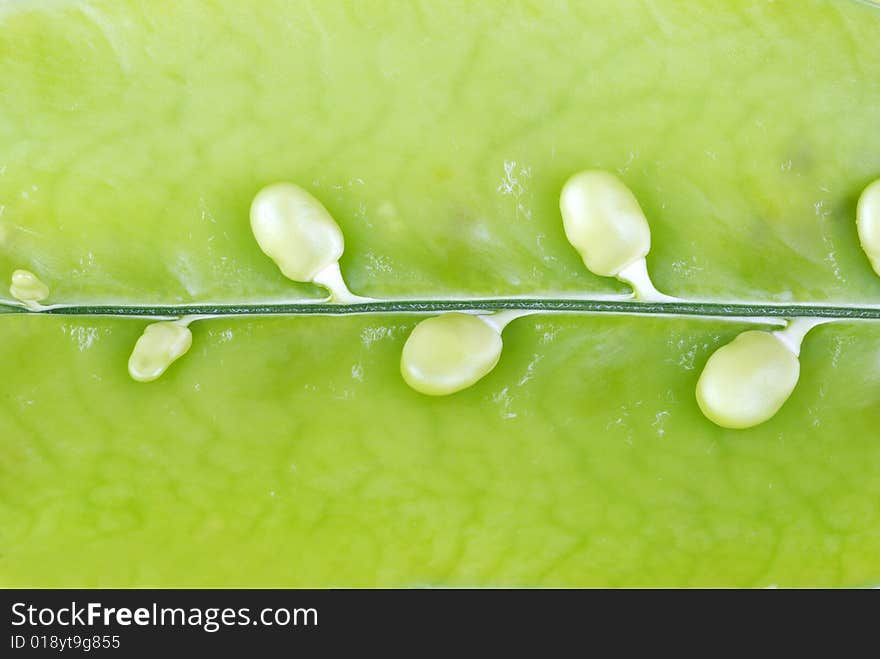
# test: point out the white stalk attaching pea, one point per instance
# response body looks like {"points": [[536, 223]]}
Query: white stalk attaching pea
{"points": [[747, 381], [868, 223], [794, 333], [28, 289], [299, 234], [158, 347], [448, 353], [331, 279], [636, 275], [605, 224]]}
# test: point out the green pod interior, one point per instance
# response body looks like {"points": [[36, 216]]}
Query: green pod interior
{"points": [[287, 450]]}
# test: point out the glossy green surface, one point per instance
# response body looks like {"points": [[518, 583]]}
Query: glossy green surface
{"points": [[288, 451], [438, 134], [279, 453]]}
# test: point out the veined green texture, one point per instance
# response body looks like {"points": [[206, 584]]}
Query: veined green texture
{"points": [[438, 135], [288, 451], [582, 459]]}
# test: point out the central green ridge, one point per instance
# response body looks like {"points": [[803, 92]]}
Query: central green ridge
{"points": [[574, 305], [285, 448]]}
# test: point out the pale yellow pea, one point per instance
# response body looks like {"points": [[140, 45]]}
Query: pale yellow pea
{"points": [[747, 381], [160, 345], [295, 231], [868, 223], [449, 353], [604, 222], [26, 287]]}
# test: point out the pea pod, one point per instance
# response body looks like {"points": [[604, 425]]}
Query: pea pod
{"points": [[439, 142]]}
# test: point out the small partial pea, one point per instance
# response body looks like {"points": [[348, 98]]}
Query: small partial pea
{"points": [[157, 348], [868, 223], [26, 287]]}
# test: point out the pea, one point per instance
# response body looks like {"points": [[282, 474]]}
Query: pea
{"points": [[748, 380], [449, 353], [158, 347], [27, 288], [299, 234], [868, 223], [604, 222]]}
